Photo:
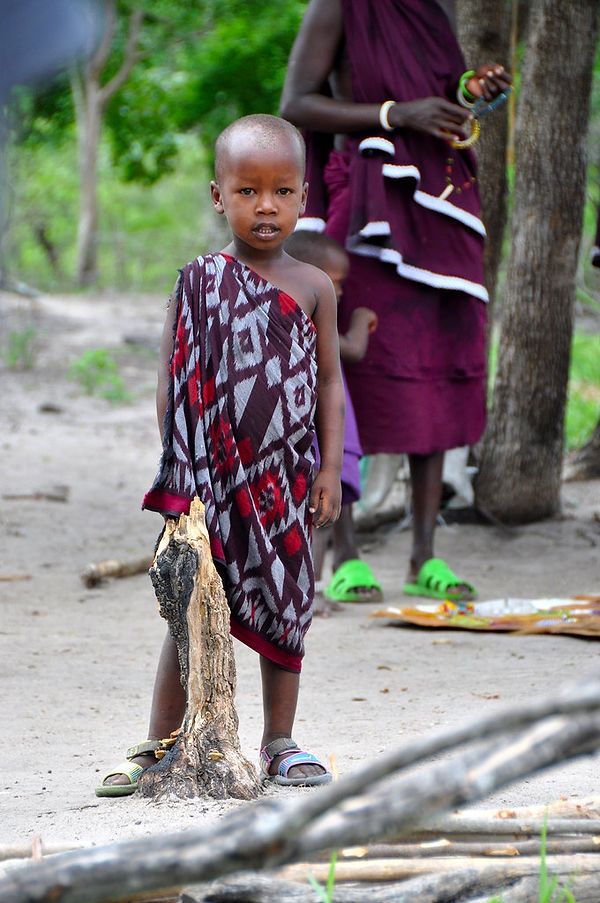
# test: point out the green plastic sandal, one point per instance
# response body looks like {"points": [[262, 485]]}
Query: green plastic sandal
{"points": [[349, 578], [434, 581]]}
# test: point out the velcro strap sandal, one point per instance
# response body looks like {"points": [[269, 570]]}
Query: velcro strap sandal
{"points": [[292, 756], [132, 770]]}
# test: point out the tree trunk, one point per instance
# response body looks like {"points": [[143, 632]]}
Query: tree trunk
{"points": [[206, 759], [584, 463], [523, 447], [89, 126], [91, 97], [484, 33]]}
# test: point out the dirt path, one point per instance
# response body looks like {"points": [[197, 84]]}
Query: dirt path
{"points": [[77, 665]]}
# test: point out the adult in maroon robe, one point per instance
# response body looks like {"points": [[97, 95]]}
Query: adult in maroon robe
{"points": [[406, 207]]}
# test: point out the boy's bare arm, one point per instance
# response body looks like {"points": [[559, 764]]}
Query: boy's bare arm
{"points": [[325, 499], [353, 345], [164, 361]]}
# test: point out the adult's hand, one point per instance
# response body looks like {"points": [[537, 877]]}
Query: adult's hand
{"points": [[432, 115], [489, 81]]}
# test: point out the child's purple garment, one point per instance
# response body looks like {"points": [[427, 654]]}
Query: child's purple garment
{"points": [[352, 454], [350, 477], [416, 258], [238, 434]]}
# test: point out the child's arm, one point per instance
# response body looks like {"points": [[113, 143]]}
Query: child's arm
{"points": [[353, 345], [164, 360], [326, 495]]}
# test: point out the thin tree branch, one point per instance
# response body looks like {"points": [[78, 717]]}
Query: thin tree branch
{"points": [[98, 61], [131, 57]]}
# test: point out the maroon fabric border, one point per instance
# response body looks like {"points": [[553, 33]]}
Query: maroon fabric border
{"points": [[170, 504], [166, 502], [264, 648]]}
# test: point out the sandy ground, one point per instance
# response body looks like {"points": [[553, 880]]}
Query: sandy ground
{"points": [[77, 665]]}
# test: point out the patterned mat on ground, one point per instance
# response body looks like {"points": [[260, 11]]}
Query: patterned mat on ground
{"points": [[578, 616]]}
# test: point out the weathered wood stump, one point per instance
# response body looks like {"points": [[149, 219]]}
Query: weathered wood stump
{"points": [[206, 759]]}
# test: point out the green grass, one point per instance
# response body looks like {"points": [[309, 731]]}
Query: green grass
{"points": [[325, 893], [583, 402], [21, 349], [97, 373], [583, 405], [549, 889]]}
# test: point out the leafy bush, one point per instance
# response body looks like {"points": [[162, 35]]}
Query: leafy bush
{"points": [[97, 373]]}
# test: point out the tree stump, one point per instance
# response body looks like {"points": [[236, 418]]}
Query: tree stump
{"points": [[206, 759]]}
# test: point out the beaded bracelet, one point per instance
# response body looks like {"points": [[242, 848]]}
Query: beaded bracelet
{"points": [[384, 110], [466, 143]]}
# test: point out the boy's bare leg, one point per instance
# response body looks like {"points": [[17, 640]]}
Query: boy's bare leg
{"points": [[426, 482], [280, 696], [322, 607], [168, 704]]}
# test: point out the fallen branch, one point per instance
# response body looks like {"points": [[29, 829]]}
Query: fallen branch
{"points": [[426, 889], [53, 494], [25, 850], [460, 825], [96, 573], [378, 870], [275, 832], [492, 849], [14, 578]]}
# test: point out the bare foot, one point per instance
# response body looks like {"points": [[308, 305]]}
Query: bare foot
{"points": [[324, 607]]}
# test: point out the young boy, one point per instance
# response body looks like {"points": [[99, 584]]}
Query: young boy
{"points": [[249, 359], [353, 579]]}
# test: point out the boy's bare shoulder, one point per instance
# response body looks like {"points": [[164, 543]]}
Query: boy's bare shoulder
{"points": [[311, 277]]}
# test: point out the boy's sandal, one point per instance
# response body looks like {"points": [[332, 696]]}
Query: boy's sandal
{"points": [[132, 770], [435, 581], [293, 756], [354, 581]]}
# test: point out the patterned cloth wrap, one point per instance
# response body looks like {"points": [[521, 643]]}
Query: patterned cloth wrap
{"points": [[238, 433]]}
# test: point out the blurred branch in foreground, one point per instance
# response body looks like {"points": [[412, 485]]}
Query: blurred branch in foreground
{"points": [[351, 811]]}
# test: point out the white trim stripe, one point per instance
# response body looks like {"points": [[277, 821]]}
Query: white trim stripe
{"points": [[376, 142], [375, 229], [430, 201], [310, 224], [395, 171], [417, 274]]}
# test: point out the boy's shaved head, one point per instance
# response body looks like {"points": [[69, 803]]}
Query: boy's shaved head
{"points": [[260, 131], [313, 247]]}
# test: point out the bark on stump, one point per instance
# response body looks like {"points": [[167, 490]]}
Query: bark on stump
{"points": [[206, 760]]}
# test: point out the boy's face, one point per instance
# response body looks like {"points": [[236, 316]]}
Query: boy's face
{"points": [[336, 265], [261, 192]]}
